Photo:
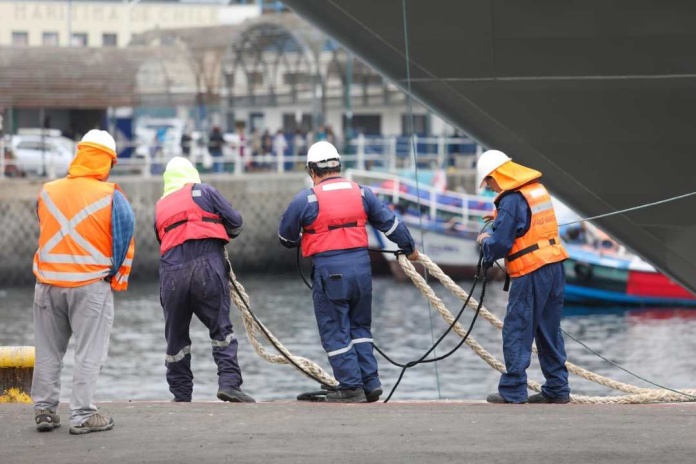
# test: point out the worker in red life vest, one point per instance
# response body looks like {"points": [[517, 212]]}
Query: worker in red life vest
{"points": [[85, 251], [328, 221], [193, 223], [525, 233]]}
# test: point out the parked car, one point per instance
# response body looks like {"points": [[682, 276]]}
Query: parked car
{"points": [[47, 154]]}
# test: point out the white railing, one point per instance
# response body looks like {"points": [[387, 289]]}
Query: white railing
{"points": [[362, 152], [455, 210]]}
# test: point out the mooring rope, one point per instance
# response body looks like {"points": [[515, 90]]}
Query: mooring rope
{"points": [[636, 394], [253, 326]]}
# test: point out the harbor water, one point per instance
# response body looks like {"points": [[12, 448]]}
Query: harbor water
{"points": [[656, 344]]}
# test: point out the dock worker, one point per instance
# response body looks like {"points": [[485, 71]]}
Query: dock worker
{"points": [[328, 222], [525, 233], [193, 223], [86, 250]]}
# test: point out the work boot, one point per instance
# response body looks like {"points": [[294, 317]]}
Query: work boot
{"points": [[540, 398], [234, 396], [497, 398], [46, 420], [96, 423], [373, 395], [351, 395]]}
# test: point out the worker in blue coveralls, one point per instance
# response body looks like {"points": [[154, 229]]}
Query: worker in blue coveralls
{"points": [[525, 233], [193, 223], [328, 220]]}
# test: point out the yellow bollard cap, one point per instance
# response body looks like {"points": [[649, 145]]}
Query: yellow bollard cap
{"points": [[16, 356]]}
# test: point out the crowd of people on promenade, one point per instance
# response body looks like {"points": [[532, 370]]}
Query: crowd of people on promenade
{"points": [[257, 150], [86, 248]]}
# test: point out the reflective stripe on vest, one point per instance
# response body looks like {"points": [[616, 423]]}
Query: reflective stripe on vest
{"points": [[340, 224], [76, 231], [541, 244]]}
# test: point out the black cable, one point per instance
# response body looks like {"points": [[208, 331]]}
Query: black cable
{"points": [[422, 359]]}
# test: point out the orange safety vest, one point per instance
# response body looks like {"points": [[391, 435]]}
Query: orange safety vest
{"points": [[75, 241], [340, 224], [541, 244]]}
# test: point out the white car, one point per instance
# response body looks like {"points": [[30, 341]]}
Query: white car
{"points": [[38, 154]]}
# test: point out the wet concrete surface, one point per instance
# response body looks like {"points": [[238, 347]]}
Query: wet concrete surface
{"points": [[399, 432]]}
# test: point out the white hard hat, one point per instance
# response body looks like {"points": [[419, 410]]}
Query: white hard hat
{"points": [[488, 162], [179, 162], [100, 139], [322, 151]]}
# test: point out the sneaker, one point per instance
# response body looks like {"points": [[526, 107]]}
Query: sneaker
{"points": [[235, 396], [497, 398], [351, 395], [96, 423], [46, 420], [540, 398], [373, 395]]}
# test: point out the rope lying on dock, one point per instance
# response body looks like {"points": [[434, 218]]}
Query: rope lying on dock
{"points": [[253, 326], [636, 394]]}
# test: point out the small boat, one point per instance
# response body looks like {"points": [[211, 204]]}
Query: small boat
{"points": [[604, 272], [445, 224]]}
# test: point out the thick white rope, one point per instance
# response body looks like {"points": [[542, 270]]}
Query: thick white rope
{"points": [[305, 365]]}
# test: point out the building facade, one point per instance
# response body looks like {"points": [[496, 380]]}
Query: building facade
{"points": [[109, 23]]}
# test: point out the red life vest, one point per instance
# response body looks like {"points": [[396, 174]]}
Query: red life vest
{"points": [[340, 224], [179, 218]]}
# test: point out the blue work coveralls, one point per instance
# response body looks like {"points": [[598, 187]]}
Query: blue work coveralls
{"points": [[534, 310], [194, 279], [342, 288]]}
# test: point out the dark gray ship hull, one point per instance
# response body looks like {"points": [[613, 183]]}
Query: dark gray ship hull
{"points": [[600, 96]]}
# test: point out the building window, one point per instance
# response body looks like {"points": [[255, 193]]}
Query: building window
{"points": [[20, 38], [78, 39], [50, 39], [421, 124], [109, 40]]}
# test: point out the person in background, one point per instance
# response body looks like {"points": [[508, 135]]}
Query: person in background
{"points": [[86, 250], [328, 222], [193, 223], [525, 233], [280, 144], [215, 143], [186, 141]]}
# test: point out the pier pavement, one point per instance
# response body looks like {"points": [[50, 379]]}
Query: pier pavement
{"points": [[400, 432]]}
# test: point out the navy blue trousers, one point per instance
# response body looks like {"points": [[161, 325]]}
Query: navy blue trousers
{"points": [[199, 287], [534, 314], [342, 292]]}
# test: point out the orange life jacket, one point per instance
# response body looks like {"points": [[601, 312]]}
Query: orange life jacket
{"points": [[340, 224], [541, 244], [178, 218], [75, 240]]}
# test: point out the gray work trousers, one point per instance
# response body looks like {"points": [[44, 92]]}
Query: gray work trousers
{"points": [[59, 312]]}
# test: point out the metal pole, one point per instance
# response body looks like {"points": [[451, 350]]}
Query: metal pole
{"points": [[347, 100]]}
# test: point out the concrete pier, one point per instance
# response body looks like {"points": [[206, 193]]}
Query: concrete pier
{"points": [[401, 432]]}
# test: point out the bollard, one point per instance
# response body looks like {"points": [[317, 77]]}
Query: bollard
{"points": [[16, 371]]}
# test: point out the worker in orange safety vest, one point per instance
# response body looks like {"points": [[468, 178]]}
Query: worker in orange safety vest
{"points": [[86, 250]]}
